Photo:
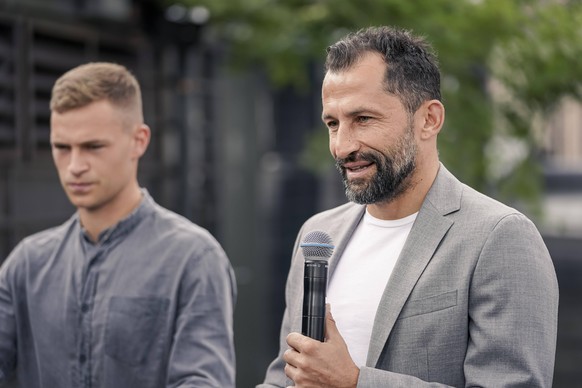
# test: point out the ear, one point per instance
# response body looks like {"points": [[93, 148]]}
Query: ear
{"points": [[141, 139], [434, 118]]}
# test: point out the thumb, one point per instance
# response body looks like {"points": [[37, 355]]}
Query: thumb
{"points": [[331, 330]]}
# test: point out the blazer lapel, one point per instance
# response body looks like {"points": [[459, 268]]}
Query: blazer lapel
{"points": [[429, 229]]}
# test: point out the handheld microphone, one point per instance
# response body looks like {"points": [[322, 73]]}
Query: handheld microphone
{"points": [[317, 249]]}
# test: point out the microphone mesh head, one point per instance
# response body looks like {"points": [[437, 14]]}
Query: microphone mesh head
{"points": [[317, 244]]}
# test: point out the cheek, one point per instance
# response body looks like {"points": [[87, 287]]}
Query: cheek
{"points": [[118, 166], [60, 163], [331, 145]]}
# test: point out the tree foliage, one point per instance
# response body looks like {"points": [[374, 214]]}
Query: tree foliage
{"points": [[529, 47]]}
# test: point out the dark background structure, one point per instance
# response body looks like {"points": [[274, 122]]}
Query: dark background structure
{"points": [[226, 153]]}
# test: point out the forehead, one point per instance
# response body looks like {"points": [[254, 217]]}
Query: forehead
{"points": [[97, 120], [361, 87], [370, 66]]}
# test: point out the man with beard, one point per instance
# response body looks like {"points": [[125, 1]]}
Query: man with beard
{"points": [[431, 283]]}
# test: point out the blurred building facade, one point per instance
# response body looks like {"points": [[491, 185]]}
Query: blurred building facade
{"points": [[225, 153], [561, 144]]}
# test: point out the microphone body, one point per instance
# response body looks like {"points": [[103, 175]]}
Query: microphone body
{"points": [[314, 290], [317, 249]]}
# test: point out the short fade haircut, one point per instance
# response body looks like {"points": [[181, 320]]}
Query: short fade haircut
{"points": [[412, 72], [93, 82]]}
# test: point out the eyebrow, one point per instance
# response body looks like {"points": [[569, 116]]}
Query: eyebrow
{"points": [[353, 113], [82, 144]]}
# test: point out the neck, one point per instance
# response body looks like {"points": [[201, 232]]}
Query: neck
{"points": [[95, 221], [410, 201]]}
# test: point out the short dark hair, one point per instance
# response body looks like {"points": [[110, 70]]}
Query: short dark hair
{"points": [[412, 72]]}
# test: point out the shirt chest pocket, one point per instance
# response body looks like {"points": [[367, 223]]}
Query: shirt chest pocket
{"points": [[134, 328]]}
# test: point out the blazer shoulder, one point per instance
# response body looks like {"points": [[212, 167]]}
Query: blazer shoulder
{"points": [[479, 213], [448, 195], [476, 202]]}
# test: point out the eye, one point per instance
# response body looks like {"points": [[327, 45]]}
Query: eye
{"points": [[61, 147], [363, 119], [332, 124], [94, 146]]}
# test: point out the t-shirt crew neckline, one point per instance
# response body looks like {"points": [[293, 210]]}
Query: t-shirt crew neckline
{"points": [[371, 220]]}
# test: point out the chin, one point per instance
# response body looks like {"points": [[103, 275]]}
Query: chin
{"points": [[358, 185], [81, 203]]}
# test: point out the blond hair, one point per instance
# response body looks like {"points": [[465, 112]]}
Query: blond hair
{"points": [[93, 82]]}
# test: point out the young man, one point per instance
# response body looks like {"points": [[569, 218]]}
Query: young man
{"points": [[125, 293], [431, 283]]}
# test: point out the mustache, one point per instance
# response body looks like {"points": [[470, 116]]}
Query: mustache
{"points": [[357, 157]]}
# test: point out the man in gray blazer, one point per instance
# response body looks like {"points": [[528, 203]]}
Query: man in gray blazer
{"points": [[431, 283]]}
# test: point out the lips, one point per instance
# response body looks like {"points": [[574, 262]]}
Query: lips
{"points": [[355, 166], [79, 187], [358, 168]]}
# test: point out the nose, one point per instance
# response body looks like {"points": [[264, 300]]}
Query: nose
{"points": [[77, 163], [343, 142]]}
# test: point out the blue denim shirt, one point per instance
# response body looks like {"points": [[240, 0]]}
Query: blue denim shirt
{"points": [[149, 305]]}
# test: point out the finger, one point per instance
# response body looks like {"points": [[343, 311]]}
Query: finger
{"points": [[290, 371], [289, 356], [297, 341], [331, 330]]}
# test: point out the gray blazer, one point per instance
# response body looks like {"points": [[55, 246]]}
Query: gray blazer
{"points": [[472, 300]]}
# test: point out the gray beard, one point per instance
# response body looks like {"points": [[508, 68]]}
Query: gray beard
{"points": [[391, 178]]}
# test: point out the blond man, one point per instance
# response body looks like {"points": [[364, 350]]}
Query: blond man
{"points": [[125, 293]]}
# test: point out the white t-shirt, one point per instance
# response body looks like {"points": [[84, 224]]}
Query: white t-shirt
{"points": [[359, 280]]}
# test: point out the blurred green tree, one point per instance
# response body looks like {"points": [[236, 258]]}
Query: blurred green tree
{"points": [[505, 65]]}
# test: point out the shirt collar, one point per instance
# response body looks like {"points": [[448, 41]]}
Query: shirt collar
{"points": [[126, 225]]}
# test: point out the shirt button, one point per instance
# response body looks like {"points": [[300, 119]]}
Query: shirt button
{"points": [[84, 307], [82, 358]]}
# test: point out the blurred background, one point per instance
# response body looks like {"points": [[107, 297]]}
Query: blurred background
{"points": [[232, 93]]}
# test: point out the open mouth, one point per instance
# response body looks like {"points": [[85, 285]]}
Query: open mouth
{"points": [[357, 169]]}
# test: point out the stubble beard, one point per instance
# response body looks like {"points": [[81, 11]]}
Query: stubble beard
{"points": [[392, 177]]}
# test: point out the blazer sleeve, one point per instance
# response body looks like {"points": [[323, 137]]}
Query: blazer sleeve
{"points": [[513, 308], [275, 376]]}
